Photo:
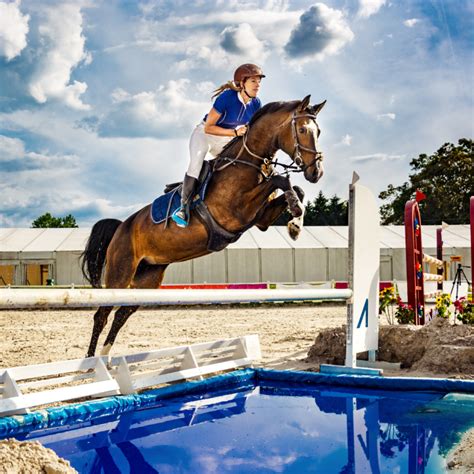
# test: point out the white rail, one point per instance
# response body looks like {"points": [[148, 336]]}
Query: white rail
{"points": [[433, 277], [433, 260], [11, 298], [22, 388]]}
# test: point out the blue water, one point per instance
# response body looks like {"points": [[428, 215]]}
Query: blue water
{"points": [[270, 428]]}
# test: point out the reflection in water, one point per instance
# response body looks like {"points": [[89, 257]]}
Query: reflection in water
{"points": [[271, 428]]}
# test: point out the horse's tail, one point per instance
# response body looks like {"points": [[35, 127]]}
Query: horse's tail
{"points": [[93, 257]]}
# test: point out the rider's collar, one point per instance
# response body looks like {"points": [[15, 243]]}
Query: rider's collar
{"points": [[239, 95]]}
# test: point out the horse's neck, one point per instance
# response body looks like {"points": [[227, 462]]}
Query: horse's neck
{"points": [[261, 142]]}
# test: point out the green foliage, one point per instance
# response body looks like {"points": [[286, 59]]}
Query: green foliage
{"points": [[446, 177], [48, 221], [321, 211]]}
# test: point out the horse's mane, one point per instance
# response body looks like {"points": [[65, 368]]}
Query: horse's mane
{"points": [[269, 108]]}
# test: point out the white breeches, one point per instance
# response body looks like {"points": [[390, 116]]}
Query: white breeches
{"points": [[200, 144]]}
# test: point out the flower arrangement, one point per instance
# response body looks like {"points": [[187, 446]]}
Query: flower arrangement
{"points": [[404, 313], [465, 310], [387, 299], [443, 302], [391, 305]]}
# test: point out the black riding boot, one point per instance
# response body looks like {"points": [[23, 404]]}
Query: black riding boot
{"points": [[181, 215]]}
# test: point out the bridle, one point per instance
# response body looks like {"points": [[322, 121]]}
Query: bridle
{"points": [[296, 157], [298, 167]]}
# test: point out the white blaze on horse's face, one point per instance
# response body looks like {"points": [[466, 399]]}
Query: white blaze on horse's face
{"points": [[314, 172]]}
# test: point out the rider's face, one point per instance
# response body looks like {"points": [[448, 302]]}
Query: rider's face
{"points": [[252, 85]]}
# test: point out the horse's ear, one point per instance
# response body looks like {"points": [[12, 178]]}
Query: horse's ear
{"points": [[317, 108], [304, 103]]}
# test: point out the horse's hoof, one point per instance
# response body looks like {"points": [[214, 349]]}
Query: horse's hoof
{"points": [[294, 230]]}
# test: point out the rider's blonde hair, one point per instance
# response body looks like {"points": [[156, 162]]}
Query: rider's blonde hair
{"points": [[223, 87]]}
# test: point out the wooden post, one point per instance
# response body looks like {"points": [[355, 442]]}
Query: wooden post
{"points": [[439, 254], [414, 261]]}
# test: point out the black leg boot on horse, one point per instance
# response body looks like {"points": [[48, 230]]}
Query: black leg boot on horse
{"points": [[181, 215]]}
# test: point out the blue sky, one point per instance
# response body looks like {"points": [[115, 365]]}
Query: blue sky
{"points": [[98, 98]]}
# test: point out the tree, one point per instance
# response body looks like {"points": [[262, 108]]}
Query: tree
{"points": [[446, 177], [321, 211], [48, 221]]}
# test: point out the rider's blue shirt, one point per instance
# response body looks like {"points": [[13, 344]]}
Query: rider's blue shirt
{"points": [[232, 109]]}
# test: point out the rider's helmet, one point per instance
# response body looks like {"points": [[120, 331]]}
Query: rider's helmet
{"points": [[245, 71]]}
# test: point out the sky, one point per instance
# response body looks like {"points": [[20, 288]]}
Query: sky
{"points": [[98, 98]]}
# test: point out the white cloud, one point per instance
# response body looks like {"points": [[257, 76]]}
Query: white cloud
{"points": [[249, 31], [377, 157], [13, 29], [241, 40], [61, 35], [11, 148], [168, 111], [387, 116], [369, 7], [346, 140], [204, 56], [321, 32], [411, 22]]}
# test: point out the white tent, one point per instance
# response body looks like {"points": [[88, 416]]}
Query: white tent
{"points": [[320, 254]]}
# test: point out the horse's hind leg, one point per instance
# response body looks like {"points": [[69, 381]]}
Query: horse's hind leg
{"points": [[118, 274], [100, 320], [146, 276]]}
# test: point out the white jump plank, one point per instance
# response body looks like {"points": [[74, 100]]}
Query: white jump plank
{"points": [[53, 368], [130, 373], [14, 404]]}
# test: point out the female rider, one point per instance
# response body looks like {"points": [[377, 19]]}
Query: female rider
{"points": [[235, 104]]}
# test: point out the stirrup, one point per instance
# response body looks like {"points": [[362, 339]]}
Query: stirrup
{"points": [[180, 222]]}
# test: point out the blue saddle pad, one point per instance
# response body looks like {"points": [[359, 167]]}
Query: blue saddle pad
{"points": [[163, 206]]}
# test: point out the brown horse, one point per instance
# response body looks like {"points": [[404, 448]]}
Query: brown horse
{"points": [[136, 252]]}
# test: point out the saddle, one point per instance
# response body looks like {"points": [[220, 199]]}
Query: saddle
{"points": [[164, 206]]}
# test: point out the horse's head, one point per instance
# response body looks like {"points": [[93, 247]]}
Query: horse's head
{"points": [[298, 138]]}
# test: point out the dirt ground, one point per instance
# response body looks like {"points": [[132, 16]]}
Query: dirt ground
{"points": [[286, 331], [287, 334]]}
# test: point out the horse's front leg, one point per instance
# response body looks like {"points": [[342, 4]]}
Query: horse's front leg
{"points": [[258, 197], [270, 213], [295, 203]]}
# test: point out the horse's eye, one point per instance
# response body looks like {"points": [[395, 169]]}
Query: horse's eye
{"points": [[302, 130]]}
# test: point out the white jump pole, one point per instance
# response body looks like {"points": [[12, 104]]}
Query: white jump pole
{"points": [[11, 298], [364, 264]]}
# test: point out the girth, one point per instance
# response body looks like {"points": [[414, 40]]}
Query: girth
{"points": [[218, 237]]}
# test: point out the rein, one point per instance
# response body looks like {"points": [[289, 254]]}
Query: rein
{"points": [[298, 167]]}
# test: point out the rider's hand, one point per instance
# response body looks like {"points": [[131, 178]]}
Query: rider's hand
{"points": [[240, 131]]}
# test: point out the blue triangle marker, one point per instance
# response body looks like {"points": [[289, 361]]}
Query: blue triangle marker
{"points": [[365, 312]]}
